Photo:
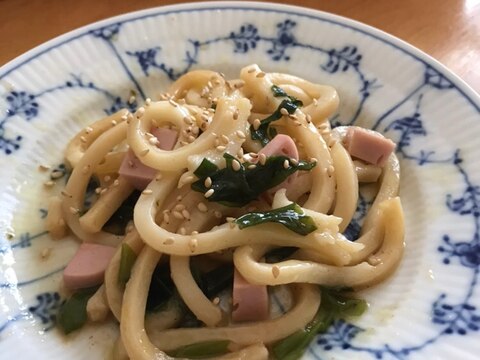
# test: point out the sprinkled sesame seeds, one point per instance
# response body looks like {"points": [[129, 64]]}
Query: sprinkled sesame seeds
{"points": [[179, 198], [83, 139], [217, 214], [144, 152], [148, 101], [262, 159], [284, 112], [202, 207], [240, 134], [330, 170], [73, 210], [182, 231], [251, 166], [116, 182], [140, 112], [225, 139], [294, 162], [236, 165], [153, 141], [192, 244], [179, 207], [208, 182], [56, 174], [177, 215], [260, 75], [147, 192], [191, 138], [173, 103], [98, 190], [66, 194], [230, 219], [187, 120], [235, 114], [186, 214], [49, 183], [158, 177], [286, 164], [43, 167], [312, 159], [216, 301], [297, 123], [168, 241], [256, 124], [275, 271], [239, 84], [89, 129], [315, 102], [45, 254], [209, 193], [308, 117], [113, 122], [107, 178], [221, 148], [104, 190], [166, 217], [251, 70]]}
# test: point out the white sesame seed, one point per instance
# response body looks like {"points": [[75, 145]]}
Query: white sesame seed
{"points": [[98, 190], [113, 122], [45, 254], [168, 241], [251, 166], [49, 183], [44, 167], [140, 112], [193, 243], [187, 120], [158, 177], [236, 165], [56, 174], [179, 198], [312, 159], [179, 207], [209, 193], [153, 141], [144, 152], [260, 75], [202, 207], [275, 271], [308, 117], [225, 139], [107, 178], [148, 101], [74, 210], [186, 214], [208, 182], [83, 139], [182, 231], [294, 161], [104, 190], [177, 215], [221, 148], [132, 99], [297, 123], [330, 170], [251, 70], [147, 192], [194, 233], [286, 164], [216, 301], [173, 103], [191, 139], [85, 169], [65, 193], [284, 112], [240, 134], [262, 159], [229, 219], [239, 84], [166, 217], [315, 102], [89, 129], [256, 124], [235, 114], [116, 182], [217, 214]]}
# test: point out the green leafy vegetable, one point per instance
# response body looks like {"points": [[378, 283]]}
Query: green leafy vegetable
{"points": [[238, 188], [161, 288], [72, 315], [202, 350], [262, 133], [279, 254], [216, 280], [290, 216], [120, 218], [333, 306], [278, 91], [127, 259]]}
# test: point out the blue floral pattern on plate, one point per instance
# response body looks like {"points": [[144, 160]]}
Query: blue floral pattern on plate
{"points": [[405, 120]]}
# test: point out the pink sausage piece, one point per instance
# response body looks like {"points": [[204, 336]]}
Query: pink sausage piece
{"points": [[250, 302], [138, 174], [281, 145], [368, 145], [87, 267]]}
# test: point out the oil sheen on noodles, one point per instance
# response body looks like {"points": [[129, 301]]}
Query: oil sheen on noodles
{"points": [[175, 226]]}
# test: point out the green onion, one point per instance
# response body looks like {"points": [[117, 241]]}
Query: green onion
{"points": [[291, 216], [127, 259], [72, 314], [206, 168], [202, 350]]}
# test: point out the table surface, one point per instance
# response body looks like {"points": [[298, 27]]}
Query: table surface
{"points": [[448, 30]]}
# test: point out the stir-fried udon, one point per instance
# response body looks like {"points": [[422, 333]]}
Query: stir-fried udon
{"points": [[212, 201]]}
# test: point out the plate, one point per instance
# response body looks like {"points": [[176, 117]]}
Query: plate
{"points": [[428, 309]]}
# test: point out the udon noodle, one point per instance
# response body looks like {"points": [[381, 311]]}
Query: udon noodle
{"points": [[181, 218]]}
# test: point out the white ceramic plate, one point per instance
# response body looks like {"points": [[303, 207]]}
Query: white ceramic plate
{"points": [[427, 310]]}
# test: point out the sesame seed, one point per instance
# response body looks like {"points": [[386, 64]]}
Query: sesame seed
{"points": [[98, 190], [74, 210], [179, 207], [158, 177], [240, 153], [262, 159], [216, 301], [260, 75], [179, 198], [85, 169], [65, 193], [193, 243], [208, 182], [308, 117], [177, 215], [104, 190], [56, 174], [312, 159], [166, 217], [315, 102], [49, 183], [46, 253], [217, 214], [330, 170], [153, 141], [256, 124], [194, 233], [251, 70], [294, 162], [182, 231], [44, 167], [209, 193], [286, 164], [284, 112], [124, 117], [116, 182], [251, 166], [191, 139], [183, 143], [202, 207], [144, 152], [188, 179], [297, 123], [230, 219], [239, 84], [225, 139], [235, 114], [216, 142], [89, 129], [130, 163], [168, 241], [173, 103], [240, 134], [131, 100], [195, 130], [275, 271], [147, 192], [83, 139], [148, 101], [140, 112], [186, 214], [236, 165], [221, 148], [332, 142], [107, 178], [187, 120], [113, 122]]}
